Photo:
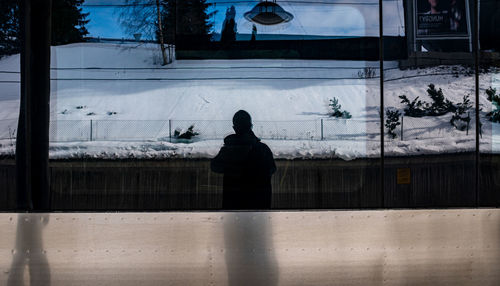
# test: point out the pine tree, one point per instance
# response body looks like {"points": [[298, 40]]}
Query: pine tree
{"points": [[336, 110], [9, 28], [440, 105], [169, 20], [188, 21], [494, 98], [392, 121], [184, 18], [459, 120], [68, 22], [414, 108], [229, 29]]}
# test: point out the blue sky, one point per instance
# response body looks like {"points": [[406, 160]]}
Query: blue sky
{"points": [[325, 18]]}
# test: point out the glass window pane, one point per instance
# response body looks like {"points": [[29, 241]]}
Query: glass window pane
{"points": [[140, 123], [489, 88], [10, 47], [429, 101]]}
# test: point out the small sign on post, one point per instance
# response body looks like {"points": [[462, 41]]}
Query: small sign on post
{"points": [[403, 176]]}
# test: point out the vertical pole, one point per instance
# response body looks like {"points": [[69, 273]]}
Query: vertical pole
{"points": [[476, 74], [402, 126], [381, 59], [170, 130], [32, 146], [467, 132], [322, 129], [91, 131]]}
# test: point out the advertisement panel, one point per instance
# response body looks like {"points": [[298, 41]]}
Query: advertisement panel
{"points": [[441, 19]]}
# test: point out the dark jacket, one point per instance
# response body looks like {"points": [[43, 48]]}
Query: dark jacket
{"points": [[247, 165]]}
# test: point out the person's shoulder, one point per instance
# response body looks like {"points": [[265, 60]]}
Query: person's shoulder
{"points": [[263, 146], [229, 139]]}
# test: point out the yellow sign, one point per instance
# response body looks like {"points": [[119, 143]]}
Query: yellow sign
{"points": [[404, 176]]}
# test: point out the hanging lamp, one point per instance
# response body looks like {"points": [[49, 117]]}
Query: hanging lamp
{"points": [[268, 13]]}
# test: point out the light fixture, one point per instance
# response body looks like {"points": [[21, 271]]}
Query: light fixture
{"points": [[268, 13]]}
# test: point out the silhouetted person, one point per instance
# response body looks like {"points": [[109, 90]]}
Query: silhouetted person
{"points": [[247, 165]]}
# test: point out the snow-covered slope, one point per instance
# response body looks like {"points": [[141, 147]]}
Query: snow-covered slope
{"points": [[124, 82]]}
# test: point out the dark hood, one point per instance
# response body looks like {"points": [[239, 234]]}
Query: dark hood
{"points": [[248, 138]]}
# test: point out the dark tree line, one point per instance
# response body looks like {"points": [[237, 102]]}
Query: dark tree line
{"points": [[180, 19], [9, 27], [68, 24], [179, 22]]}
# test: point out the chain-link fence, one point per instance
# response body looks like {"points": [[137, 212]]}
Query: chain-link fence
{"points": [[320, 129], [8, 129], [128, 130], [411, 128], [430, 127], [70, 130], [169, 130], [206, 129], [349, 129]]}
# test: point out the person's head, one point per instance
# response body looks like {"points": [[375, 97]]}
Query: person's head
{"points": [[435, 6], [242, 122]]}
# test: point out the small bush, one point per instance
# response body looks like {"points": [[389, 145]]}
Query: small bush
{"points": [[336, 110], [494, 98], [414, 108], [188, 134], [392, 121], [440, 105], [459, 120]]}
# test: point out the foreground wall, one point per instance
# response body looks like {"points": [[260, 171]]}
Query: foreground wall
{"points": [[403, 247], [434, 181]]}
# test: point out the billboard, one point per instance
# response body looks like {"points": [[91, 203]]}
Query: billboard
{"points": [[441, 18]]}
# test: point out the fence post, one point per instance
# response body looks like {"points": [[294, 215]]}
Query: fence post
{"points": [[91, 129], [467, 132], [170, 130], [322, 129], [402, 126]]}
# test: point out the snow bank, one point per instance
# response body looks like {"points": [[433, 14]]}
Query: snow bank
{"points": [[111, 82]]}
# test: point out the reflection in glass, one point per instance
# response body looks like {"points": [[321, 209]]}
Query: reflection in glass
{"points": [[489, 90], [429, 116], [311, 85]]}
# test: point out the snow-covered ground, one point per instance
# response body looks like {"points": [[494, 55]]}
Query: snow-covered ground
{"points": [[133, 104]]}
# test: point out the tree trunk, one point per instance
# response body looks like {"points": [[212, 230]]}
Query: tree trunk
{"points": [[160, 29]]}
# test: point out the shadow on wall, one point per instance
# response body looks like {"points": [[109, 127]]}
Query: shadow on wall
{"points": [[29, 252], [250, 257]]}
